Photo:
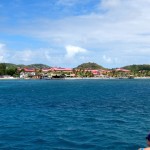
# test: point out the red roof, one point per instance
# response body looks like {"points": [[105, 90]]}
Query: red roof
{"points": [[46, 69], [123, 70], [95, 72], [61, 69], [29, 69]]}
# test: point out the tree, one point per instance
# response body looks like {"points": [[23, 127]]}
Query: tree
{"points": [[2, 69], [11, 71]]}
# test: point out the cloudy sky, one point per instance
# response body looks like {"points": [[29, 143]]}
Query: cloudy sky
{"points": [[66, 33]]}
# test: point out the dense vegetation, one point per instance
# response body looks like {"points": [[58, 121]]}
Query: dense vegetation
{"points": [[90, 65], [11, 69], [8, 70], [36, 66], [137, 68]]}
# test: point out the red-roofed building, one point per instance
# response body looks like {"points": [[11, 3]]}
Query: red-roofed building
{"points": [[122, 70], [46, 69], [61, 69], [95, 72], [98, 72], [27, 72], [104, 71]]}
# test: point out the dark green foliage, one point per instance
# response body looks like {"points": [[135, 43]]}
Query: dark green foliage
{"points": [[21, 66], [9, 65], [38, 66], [11, 71], [136, 68], [2, 69], [8, 69], [90, 65]]}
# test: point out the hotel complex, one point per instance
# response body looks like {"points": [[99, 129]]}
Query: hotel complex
{"points": [[68, 72]]}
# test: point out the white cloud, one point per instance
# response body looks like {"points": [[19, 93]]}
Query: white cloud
{"points": [[125, 23], [3, 53], [1, 58], [119, 27], [23, 56], [74, 50], [2, 46], [107, 59], [66, 2], [30, 56], [110, 3]]}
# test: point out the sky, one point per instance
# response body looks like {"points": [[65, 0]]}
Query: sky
{"points": [[66, 33]]}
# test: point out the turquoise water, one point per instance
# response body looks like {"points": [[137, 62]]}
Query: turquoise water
{"points": [[74, 114]]}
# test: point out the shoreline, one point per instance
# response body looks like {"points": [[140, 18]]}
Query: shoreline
{"points": [[88, 78], [9, 78]]}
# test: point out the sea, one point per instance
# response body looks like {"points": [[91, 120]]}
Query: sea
{"points": [[74, 114]]}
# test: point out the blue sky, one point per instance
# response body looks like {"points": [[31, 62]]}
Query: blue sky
{"points": [[66, 33]]}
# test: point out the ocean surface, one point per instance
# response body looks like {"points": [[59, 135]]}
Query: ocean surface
{"points": [[74, 114]]}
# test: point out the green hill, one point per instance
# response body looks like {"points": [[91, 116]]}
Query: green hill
{"points": [[37, 66], [10, 65], [138, 67], [89, 65]]}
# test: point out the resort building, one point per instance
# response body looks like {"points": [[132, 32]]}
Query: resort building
{"points": [[27, 72], [44, 72], [61, 69], [66, 72], [94, 72], [45, 69], [122, 70]]}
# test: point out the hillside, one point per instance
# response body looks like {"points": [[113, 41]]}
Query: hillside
{"points": [[138, 67], [89, 65], [38, 66], [9, 65]]}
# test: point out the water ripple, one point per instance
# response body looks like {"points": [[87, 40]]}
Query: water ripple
{"points": [[74, 115]]}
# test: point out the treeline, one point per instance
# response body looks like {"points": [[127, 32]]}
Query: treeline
{"points": [[11, 69], [4, 70], [36, 66], [137, 68]]}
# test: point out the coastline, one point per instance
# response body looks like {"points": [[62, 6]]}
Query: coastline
{"points": [[9, 78], [111, 78], [88, 78]]}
